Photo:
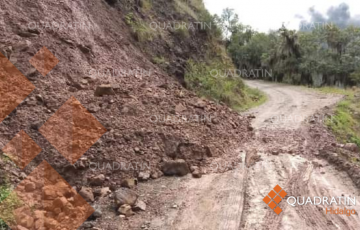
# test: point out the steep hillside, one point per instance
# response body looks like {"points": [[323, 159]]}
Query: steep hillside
{"points": [[150, 119]]}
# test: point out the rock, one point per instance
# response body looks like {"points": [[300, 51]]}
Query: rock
{"points": [[98, 180], [104, 90], [39, 98], [104, 192], [137, 150], [49, 193], [22, 175], [50, 223], [129, 183], [87, 194], [179, 108], [30, 186], [88, 225], [126, 210], [139, 205], [39, 214], [156, 174], [60, 202], [25, 221], [26, 34], [200, 104], [175, 168], [351, 147], [197, 173], [275, 152], [144, 176], [215, 121], [193, 168], [125, 196], [85, 49], [19, 227], [192, 151], [97, 213]]}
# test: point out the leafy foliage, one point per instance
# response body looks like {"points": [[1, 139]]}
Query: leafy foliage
{"points": [[139, 29], [323, 56]]}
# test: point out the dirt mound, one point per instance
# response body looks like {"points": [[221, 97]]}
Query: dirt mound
{"points": [[150, 118]]}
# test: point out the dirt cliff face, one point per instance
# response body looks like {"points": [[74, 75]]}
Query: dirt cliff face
{"points": [[151, 117]]}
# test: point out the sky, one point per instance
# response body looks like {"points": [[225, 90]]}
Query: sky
{"points": [[264, 15]]}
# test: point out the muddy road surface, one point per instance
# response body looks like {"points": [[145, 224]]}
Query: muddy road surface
{"points": [[283, 153]]}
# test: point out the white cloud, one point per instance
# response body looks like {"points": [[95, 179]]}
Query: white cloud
{"points": [[264, 15]]}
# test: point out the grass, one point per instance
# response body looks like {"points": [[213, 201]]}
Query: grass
{"points": [[345, 123], [182, 32], [159, 60], [228, 90], [253, 98], [198, 4], [183, 6], [7, 206], [345, 92], [140, 30], [146, 5]]}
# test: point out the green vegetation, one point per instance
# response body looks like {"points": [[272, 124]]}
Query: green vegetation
{"points": [[146, 5], [345, 123], [228, 90], [183, 6], [326, 56], [7, 206], [182, 32], [159, 60], [139, 29]]}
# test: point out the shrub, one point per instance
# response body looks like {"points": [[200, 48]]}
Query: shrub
{"points": [[182, 32], [7, 206], [159, 60], [139, 29]]}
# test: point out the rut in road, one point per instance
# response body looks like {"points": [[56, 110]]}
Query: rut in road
{"points": [[283, 152]]}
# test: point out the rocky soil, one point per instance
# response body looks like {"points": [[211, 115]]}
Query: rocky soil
{"points": [[153, 124]]}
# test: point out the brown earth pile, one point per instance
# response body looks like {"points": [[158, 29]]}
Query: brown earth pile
{"points": [[151, 118]]}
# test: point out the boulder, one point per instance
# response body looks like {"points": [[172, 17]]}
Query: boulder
{"points": [[144, 176], [30, 186], [97, 180], [104, 90], [125, 210], [129, 183], [351, 147], [175, 167], [87, 194], [139, 205], [125, 196]]}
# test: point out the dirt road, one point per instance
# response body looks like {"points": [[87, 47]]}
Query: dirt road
{"points": [[281, 154]]}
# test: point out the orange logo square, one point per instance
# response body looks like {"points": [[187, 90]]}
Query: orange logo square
{"points": [[274, 197]]}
